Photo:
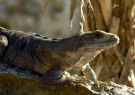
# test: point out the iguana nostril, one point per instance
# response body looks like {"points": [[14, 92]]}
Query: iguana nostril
{"points": [[117, 39], [114, 38]]}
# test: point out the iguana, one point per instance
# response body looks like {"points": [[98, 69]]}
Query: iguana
{"points": [[51, 58]]}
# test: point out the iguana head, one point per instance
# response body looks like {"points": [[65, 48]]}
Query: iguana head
{"points": [[97, 40]]}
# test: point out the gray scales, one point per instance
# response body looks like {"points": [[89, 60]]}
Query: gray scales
{"points": [[52, 59]]}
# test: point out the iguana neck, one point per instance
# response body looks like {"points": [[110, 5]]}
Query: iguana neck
{"points": [[80, 58], [69, 44]]}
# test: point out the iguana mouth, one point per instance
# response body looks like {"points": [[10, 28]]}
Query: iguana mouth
{"points": [[111, 40], [115, 39]]}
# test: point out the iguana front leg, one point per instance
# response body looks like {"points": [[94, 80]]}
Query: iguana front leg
{"points": [[3, 44], [89, 72]]}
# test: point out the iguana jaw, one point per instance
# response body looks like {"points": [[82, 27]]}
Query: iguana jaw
{"points": [[97, 41]]}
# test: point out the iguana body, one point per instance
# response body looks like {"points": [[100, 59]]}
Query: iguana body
{"points": [[52, 57]]}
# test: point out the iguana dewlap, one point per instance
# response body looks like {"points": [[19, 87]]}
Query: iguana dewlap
{"points": [[52, 57]]}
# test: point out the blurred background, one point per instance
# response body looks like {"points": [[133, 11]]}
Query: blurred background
{"points": [[60, 18], [47, 17]]}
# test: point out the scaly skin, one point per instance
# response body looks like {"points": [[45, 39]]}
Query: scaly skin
{"points": [[52, 57]]}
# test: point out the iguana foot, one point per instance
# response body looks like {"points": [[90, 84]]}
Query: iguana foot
{"points": [[97, 83], [75, 79], [100, 84]]}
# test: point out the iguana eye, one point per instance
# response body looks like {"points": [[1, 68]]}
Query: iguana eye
{"points": [[87, 37], [98, 34]]}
